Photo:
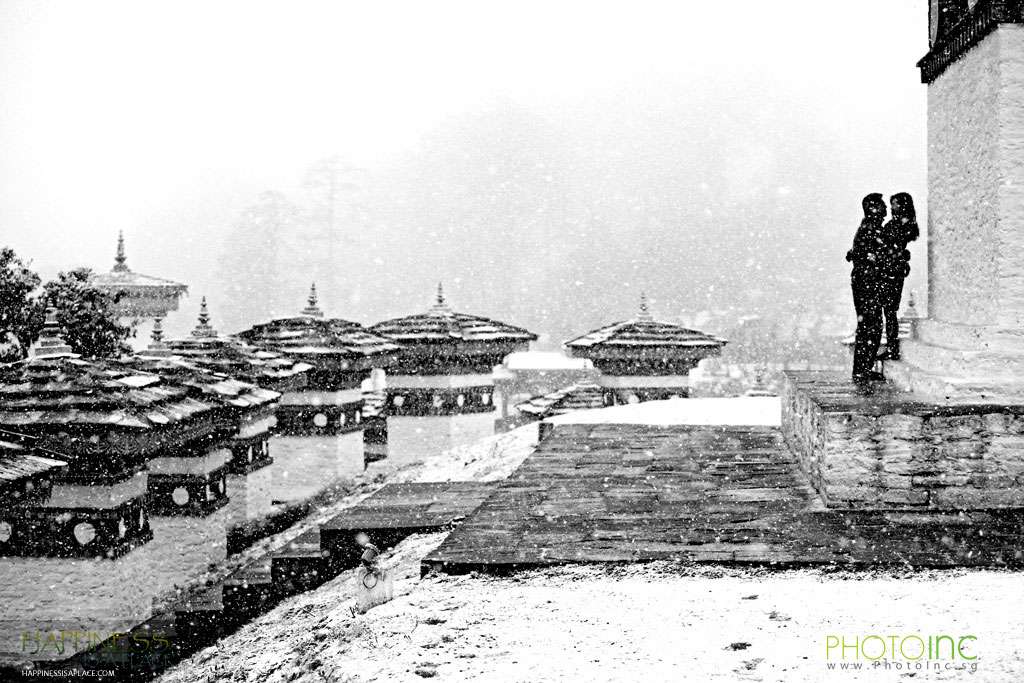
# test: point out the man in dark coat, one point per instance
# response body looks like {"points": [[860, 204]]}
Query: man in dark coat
{"points": [[866, 256]]}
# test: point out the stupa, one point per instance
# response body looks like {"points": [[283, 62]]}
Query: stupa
{"points": [[440, 392], [110, 424], [319, 432], [139, 299], [644, 359]]}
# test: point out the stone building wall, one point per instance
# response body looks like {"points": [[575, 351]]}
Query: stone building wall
{"points": [[249, 496], [183, 547], [1011, 191], [415, 438], [305, 465], [963, 182], [904, 455], [48, 594]]}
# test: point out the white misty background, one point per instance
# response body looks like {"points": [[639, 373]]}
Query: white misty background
{"points": [[546, 162]]}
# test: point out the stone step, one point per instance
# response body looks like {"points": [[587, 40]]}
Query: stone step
{"points": [[912, 378], [953, 362], [249, 591], [398, 510], [971, 337], [301, 565], [199, 617]]}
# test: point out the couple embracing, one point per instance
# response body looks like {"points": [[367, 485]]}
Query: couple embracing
{"points": [[881, 262]]}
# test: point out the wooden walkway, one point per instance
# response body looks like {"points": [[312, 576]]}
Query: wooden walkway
{"points": [[627, 493]]}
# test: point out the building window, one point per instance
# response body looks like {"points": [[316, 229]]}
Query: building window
{"points": [[398, 401], [320, 420]]}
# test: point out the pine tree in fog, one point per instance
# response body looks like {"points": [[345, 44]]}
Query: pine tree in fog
{"points": [[252, 268]]}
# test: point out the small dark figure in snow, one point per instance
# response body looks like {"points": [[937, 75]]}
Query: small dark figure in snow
{"points": [[368, 560], [865, 279], [901, 230]]}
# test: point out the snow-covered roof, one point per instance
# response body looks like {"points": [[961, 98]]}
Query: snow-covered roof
{"points": [[54, 387], [210, 386], [19, 464], [230, 356], [442, 325], [310, 336], [644, 332], [59, 390], [122, 279]]}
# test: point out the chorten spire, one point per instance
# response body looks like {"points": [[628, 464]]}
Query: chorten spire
{"points": [[157, 336], [157, 346], [51, 341], [119, 260], [911, 310], [645, 311], [311, 309], [204, 329], [440, 306]]}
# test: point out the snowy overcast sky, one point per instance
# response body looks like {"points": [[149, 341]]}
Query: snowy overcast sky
{"points": [[163, 118]]}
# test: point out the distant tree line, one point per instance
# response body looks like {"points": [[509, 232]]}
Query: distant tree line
{"points": [[530, 217]]}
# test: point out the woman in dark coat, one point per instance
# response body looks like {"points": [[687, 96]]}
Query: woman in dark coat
{"points": [[866, 256], [901, 230]]}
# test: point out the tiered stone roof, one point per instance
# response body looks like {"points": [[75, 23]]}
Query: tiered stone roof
{"points": [[442, 341], [317, 340], [226, 391], [442, 325], [56, 388], [232, 357], [25, 474], [643, 336], [120, 414]]}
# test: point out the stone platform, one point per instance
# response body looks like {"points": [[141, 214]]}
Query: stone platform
{"points": [[898, 450], [733, 495], [399, 510]]}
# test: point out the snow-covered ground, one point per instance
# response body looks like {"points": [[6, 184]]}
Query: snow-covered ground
{"points": [[489, 459], [690, 411], [544, 360], [645, 622], [655, 622]]}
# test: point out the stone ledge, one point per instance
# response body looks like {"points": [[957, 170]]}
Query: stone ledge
{"points": [[895, 450], [993, 338], [944, 389]]}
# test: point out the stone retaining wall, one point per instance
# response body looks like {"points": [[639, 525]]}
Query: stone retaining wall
{"points": [[890, 451]]}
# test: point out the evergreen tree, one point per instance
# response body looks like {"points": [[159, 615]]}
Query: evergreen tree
{"points": [[86, 316], [20, 317]]}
